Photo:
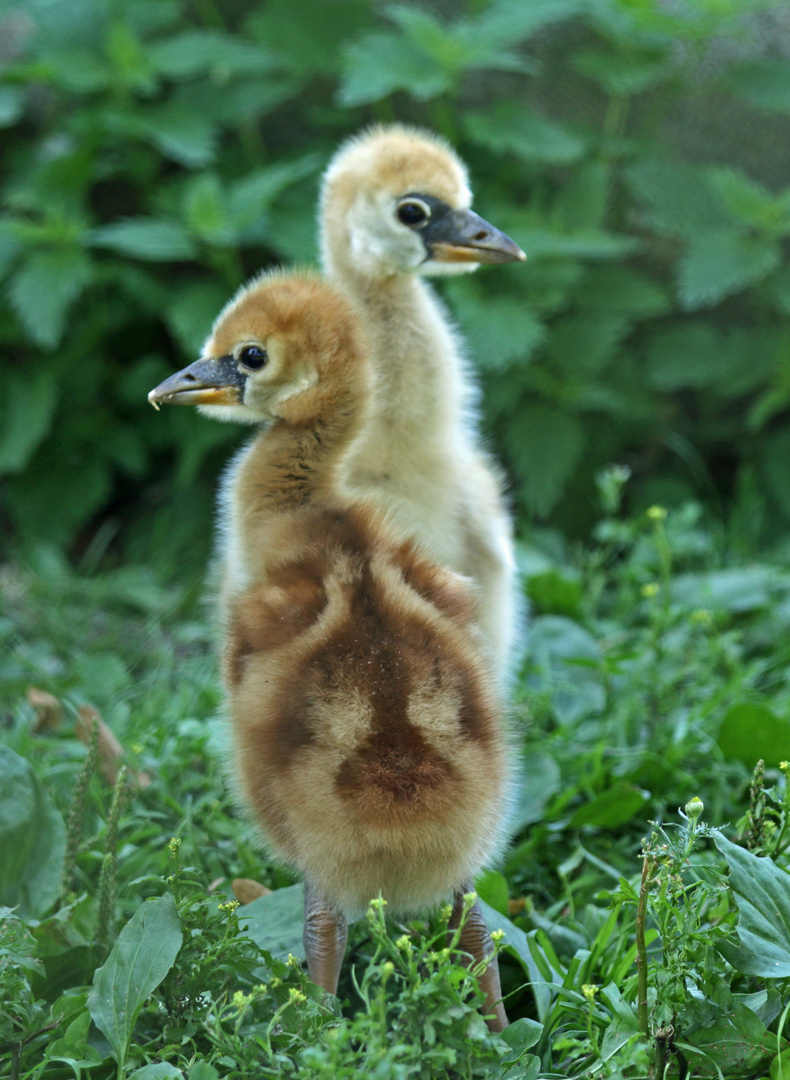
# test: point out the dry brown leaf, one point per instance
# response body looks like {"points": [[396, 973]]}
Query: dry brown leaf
{"points": [[246, 890], [516, 907], [49, 711], [215, 884], [110, 751]]}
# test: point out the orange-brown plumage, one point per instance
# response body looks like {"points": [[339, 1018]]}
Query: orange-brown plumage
{"points": [[368, 739]]}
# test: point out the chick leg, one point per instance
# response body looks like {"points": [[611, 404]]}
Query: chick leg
{"points": [[476, 940], [325, 937]]}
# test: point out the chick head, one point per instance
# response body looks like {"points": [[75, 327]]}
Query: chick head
{"points": [[283, 348], [396, 200]]}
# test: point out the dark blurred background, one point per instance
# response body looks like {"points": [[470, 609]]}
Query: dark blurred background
{"points": [[157, 152]]}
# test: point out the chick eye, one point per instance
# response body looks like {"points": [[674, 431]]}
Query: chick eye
{"points": [[413, 212], [253, 357]]}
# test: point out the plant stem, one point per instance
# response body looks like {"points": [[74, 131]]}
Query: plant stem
{"points": [[641, 950]]}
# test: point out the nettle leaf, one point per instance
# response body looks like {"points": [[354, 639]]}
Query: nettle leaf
{"points": [[538, 780], [507, 22], [146, 238], [32, 839], [27, 404], [750, 731], [322, 30], [623, 74], [542, 243], [764, 83], [143, 954], [722, 262], [383, 62], [276, 922], [43, 289], [748, 202], [544, 446], [583, 199], [762, 892], [677, 198], [515, 129], [695, 354], [249, 198], [181, 133], [587, 342], [205, 210], [194, 51], [501, 330], [737, 589], [620, 288]]}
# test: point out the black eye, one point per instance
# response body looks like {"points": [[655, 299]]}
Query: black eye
{"points": [[413, 213], [253, 357]]}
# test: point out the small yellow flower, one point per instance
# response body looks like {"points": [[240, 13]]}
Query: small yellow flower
{"points": [[295, 996], [694, 807], [293, 961], [404, 943], [656, 514], [470, 898], [229, 905], [387, 969], [785, 767], [241, 1000], [174, 845], [275, 982], [590, 990], [137, 748], [445, 912], [497, 935], [651, 589], [378, 903]]}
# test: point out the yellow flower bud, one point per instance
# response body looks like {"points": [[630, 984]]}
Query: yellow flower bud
{"points": [[694, 807], [651, 589], [656, 514]]}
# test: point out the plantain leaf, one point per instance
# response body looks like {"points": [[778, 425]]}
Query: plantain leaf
{"points": [[762, 892], [143, 954]]}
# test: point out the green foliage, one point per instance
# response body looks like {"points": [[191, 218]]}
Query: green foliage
{"points": [[158, 154]]}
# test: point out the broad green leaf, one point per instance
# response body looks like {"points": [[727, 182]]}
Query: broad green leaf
{"points": [[502, 330], [696, 354], [538, 779], [722, 262], [142, 955], [192, 51], [516, 940], [43, 289], [182, 134], [624, 1025], [544, 446], [492, 887], [146, 238], [201, 1070], [736, 589], [621, 289], [541, 243], [322, 30], [276, 922], [27, 404], [677, 199], [750, 731], [749, 202], [509, 127], [619, 804], [507, 22], [383, 62], [565, 663], [160, 1071], [738, 1043], [554, 592], [205, 210], [583, 201], [587, 342], [250, 197], [623, 74], [762, 892], [32, 838]]}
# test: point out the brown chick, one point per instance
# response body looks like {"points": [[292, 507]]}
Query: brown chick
{"points": [[368, 741]]}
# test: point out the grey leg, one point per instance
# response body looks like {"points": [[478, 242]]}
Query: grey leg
{"points": [[476, 940], [325, 937]]}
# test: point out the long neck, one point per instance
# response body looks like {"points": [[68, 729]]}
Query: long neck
{"points": [[420, 385], [290, 465]]}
